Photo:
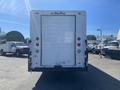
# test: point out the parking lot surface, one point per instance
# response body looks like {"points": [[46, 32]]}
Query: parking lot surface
{"points": [[103, 74]]}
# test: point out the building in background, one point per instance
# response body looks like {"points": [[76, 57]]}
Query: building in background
{"points": [[107, 37], [118, 36]]}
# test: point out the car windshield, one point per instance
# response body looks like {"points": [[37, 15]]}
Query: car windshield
{"points": [[20, 44]]}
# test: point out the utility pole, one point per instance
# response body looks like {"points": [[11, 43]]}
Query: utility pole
{"points": [[100, 30], [0, 30]]}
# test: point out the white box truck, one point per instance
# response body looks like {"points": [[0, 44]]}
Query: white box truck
{"points": [[58, 41]]}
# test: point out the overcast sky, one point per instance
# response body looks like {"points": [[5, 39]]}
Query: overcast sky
{"points": [[104, 14]]}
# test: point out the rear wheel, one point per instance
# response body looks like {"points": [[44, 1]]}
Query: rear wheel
{"points": [[93, 51], [2, 53], [17, 54]]}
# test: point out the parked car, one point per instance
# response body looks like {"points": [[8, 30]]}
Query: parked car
{"points": [[98, 48], [16, 48], [91, 47], [112, 45]]}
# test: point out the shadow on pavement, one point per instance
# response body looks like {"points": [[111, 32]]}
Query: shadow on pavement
{"points": [[11, 55], [94, 79], [111, 58], [113, 54]]}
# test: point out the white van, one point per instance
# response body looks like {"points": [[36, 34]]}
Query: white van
{"points": [[58, 41]]}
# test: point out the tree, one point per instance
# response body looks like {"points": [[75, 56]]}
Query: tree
{"points": [[91, 37], [14, 36]]}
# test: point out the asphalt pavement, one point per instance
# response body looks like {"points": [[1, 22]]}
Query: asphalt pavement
{"points": [[103, 74]]}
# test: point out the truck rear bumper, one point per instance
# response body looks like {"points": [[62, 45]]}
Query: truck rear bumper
{"points": [[24, 53], [59, 69]]}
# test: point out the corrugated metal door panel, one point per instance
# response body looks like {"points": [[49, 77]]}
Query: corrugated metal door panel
{"points": [[58, 45]]}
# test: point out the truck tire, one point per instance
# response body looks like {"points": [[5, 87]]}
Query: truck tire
{"points": [[2, 53], [17, 53]]}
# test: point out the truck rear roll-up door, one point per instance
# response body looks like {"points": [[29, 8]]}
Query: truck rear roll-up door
{"points": [[58, 40]]}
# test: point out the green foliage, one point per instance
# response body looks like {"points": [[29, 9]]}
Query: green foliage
{"points": [[14, 36], [91, 37], [2, 37]]}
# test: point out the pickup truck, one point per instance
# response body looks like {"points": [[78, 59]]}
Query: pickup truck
{"points": [[112, 50], [16, 48]]}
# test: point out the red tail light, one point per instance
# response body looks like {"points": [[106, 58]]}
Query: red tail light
{"points": [[78, 44]]}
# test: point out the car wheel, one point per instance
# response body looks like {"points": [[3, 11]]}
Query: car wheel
{"points": [[17, 54], [2, 53], [93, 51]]}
